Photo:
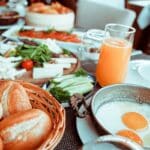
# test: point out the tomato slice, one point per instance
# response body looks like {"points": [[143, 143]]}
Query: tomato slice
{"points": [[27, 64]]}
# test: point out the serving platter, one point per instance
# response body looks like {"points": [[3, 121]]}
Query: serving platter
{"points": [[28, 76], [12, 33], [65, 59]]}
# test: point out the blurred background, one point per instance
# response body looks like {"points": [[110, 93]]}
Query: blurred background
{"points": [[95, 14]]}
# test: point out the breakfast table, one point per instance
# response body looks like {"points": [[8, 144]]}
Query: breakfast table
{"points": [[78, 131], [71, 139]]}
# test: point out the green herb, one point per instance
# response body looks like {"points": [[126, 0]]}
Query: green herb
{"points": [[12, 53], [49, 30], [70, 31], [60, 94], [38, 54], [23, 29], [65, 51], [80, 72]]}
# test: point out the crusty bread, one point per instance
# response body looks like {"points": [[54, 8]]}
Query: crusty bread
{"points": [[13, 98], [25, 130], [1, 144]]}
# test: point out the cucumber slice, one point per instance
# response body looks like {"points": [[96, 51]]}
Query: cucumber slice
{"points": [[82, 89]]}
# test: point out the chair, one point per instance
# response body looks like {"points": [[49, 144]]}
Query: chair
{"points": [[93, 14]]}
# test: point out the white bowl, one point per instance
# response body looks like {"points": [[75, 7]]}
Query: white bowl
{"points": [[60, 22]]}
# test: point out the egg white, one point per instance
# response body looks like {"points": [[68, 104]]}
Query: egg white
{"points": [[109, 115]]}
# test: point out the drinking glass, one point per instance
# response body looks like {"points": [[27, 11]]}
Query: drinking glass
{"points": [[89, 50], [114, 54]]}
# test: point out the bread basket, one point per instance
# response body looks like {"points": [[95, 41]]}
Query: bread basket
{"points": [[43, 100]]}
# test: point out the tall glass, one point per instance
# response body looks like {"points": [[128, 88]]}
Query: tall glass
{"points": [[114, 54]]}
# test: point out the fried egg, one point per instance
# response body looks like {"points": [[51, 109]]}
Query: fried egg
{"points": [[134, 120], [115, 116], [131, 135]]}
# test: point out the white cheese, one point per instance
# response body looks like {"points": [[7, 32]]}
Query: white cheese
{"points": [[47, 65], [39, 73], [4, 47], [8, 69], [65, 60], [53, 47]]}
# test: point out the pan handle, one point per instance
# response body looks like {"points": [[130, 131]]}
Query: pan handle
{"points": [[78, 100]]}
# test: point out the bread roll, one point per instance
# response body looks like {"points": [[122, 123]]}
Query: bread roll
{"points": [[25, 130], [1, 144], [13, 98]]}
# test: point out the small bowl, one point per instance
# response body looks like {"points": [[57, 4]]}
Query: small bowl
{"points": [[8, 17], [114, 142], [87, 53], [60, 22]]}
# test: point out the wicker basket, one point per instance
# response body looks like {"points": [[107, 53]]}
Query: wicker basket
{"points": [[43, 100]]}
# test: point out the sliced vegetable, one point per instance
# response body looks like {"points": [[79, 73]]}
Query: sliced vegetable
{"points": [[59, 79], [71, 84], [83, 88], [74, 81]]}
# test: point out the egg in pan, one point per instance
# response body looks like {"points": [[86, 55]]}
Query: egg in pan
{"points": [[126, 118]]}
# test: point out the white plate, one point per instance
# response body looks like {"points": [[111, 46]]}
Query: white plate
{"points": [[85, 128], [139, 73]]}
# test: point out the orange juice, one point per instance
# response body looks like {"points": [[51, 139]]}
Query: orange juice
{"points": [[113, 61]]}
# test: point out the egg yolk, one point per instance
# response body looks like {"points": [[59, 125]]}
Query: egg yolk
{"points": [[134, 120], [131, 135]]}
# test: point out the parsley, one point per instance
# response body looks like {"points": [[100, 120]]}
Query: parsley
{"points": [[60, 94], [80, 72], [66, 52]]}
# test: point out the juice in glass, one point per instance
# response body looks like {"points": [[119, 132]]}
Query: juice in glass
{"points": [[113, 61]]}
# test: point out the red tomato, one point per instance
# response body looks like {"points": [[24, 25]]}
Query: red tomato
{"points": [[27, 64]]}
